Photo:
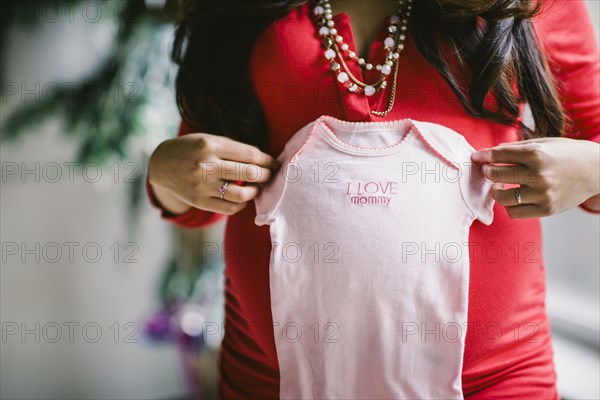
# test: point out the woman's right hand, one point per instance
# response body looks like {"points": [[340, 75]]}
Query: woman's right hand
{"points": [[187, 171]]}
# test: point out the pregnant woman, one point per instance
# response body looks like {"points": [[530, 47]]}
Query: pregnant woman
{"points": [[253, 73]]}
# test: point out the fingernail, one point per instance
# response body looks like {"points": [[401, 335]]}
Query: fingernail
{"points": [[477, 156]]}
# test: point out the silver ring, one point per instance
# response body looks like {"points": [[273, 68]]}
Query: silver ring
{"points": [[518, 195], [223, 188]]}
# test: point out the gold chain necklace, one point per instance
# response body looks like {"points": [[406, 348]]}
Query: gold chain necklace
{"points": [[336, 49]]}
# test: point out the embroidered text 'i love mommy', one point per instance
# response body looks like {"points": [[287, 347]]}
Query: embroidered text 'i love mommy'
{"points": [[372, 192]]}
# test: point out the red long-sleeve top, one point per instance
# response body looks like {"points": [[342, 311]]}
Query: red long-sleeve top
{"points": [[508, 351]]}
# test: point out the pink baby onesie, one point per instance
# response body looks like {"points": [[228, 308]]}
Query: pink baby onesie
{"points": [[369, 268]]}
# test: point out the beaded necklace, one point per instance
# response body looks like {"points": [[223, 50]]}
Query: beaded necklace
{"points": [[336, 50]]}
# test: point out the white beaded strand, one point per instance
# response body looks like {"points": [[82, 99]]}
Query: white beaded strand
{"points": [[335, 47]]}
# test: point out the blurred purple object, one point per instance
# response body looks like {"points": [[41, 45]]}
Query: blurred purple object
{"points": [[159, 326]]}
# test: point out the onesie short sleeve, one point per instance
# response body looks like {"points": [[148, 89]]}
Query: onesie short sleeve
{"points": [[272, 192], [475, 187]]}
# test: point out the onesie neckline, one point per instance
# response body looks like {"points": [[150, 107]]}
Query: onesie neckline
{"points": [[327, 122]]}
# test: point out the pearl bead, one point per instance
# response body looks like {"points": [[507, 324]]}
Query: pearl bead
{"points": [[378, 67], [394, 19], [402, 37], [330, 23], [345, 46], [392, 29], [361, 61], [324, 31], [352, 88], [389, 42], [389, 62], [369, 90], [329, 54], [386, 69], [333, 31], [335, 66], [395, 56], [339, 39], [369, 66], [400, 46], [319, 10], [343, 77], [351, 54]]}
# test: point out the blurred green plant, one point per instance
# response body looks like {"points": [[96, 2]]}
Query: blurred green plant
{"points": [[104, 128], [121, 91]]}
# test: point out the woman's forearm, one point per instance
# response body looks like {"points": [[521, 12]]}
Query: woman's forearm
{"points": [[169, 201], [166, 199]]}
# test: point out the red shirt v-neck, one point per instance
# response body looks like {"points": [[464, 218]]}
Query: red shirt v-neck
{"points": [[508, 351]]}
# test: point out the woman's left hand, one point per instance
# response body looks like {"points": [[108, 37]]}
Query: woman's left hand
{"points": [[555, 174]]}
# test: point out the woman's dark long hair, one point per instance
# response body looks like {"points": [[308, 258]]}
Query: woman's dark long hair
{"points": [[480, 47]]}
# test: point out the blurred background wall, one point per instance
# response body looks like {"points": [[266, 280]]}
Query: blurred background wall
{"points": [[84, 260]]}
